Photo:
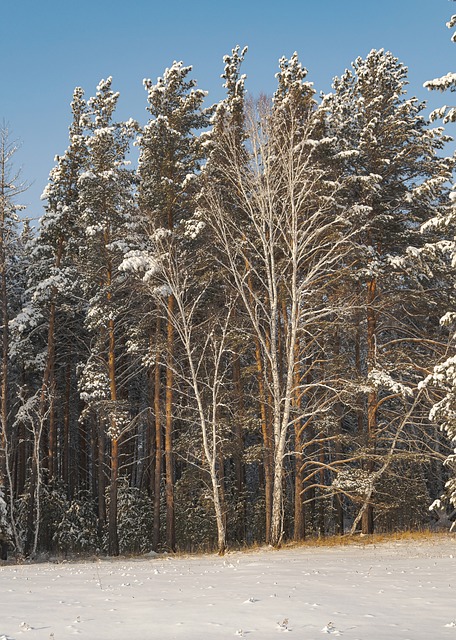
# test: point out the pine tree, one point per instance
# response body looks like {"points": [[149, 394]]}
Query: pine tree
{"points": [[107, 216], [54, 281], [395, 180], [171, 153], [51, 310], [442, 252]]}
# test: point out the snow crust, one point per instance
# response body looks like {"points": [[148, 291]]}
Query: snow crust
{"points": [[403, 590]]}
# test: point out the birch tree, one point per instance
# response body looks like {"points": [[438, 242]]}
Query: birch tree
{"points": [[11, 187], [201, 361], [289, 237]]}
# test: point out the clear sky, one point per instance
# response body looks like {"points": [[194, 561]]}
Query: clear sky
{"points": [[47, 47]]}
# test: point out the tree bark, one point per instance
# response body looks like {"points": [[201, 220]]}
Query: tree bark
{"points": [[158, 445], [367, 522], [239, 470], [298, 526], [113, 534], [169, 457]]}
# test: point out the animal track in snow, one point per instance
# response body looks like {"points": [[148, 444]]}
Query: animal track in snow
{"points": [[283, 626], [330, 628]]}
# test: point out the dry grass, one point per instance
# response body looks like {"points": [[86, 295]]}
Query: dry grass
{"points": [[376, 538], [424, 535], [346, 540]]}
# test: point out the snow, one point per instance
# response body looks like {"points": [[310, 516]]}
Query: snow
{"points": [[441, 84], [397, 590]]}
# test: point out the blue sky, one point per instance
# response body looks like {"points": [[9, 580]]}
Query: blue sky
{"points": [[47, 47]]}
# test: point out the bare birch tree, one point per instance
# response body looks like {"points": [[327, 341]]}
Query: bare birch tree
{"points": [[202, 358], [290, 243]]}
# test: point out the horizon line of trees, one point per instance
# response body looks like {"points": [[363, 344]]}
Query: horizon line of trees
{"points": [[227, 343]]}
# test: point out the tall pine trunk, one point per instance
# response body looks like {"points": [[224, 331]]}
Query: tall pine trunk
{"points": [[113, 538], [169, 457], [5, 369], [158, 445]]}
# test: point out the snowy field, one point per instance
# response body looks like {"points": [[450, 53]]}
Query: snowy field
{"points": [[402, 590]]}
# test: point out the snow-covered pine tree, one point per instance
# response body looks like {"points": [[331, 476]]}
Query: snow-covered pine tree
{"points": [[51, 317], [443, 251], [171, 152], [445, 83], [108, 219], [395, 179], [54, 284]]}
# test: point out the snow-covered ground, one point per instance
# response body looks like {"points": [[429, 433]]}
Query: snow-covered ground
{"points": [[403, 590]]}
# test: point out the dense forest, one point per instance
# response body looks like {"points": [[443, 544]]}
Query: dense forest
{"points": [[245, 338]]}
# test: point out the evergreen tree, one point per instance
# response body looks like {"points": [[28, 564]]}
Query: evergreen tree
{"points": [[395, 181], [54, 282], [442, 252], [49, 320], [107, 216], [171, 152]]}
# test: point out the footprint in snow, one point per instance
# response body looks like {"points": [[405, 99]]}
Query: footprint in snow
{"points": [[283, 626], [330, 628]]}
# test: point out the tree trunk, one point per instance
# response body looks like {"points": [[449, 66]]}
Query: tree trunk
{"points": [[298, 526], [101, 478], [158, 446], [339, 528], [267, 443], [48, 374], [219, 515], [372, 398], [112, 533], [5, 350], [66, 433], [277, 500], [169, 457], [239, 470], [113, 538]]}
